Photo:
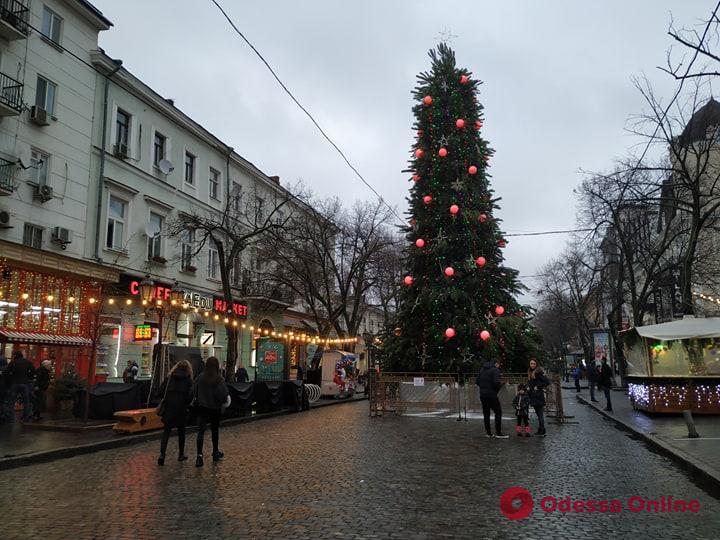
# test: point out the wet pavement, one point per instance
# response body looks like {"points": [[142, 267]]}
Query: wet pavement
{"points": [[336, 473]]}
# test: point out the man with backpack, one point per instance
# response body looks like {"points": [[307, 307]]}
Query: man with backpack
{"points": [[605, 381]]}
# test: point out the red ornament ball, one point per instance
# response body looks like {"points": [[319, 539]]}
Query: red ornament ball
{"points": [[420, 243], [480, 261], [478, 124], [464, 79], [459, 123], [499, 310], [419, 153], [501, 243], [483, 218], [450, 333], [413, 221], [484, 335], [408, 280], [420, 132], [397, 331], [427, 199], [449, 271], [415, 177], [472, 169], [442, 152], [427, 100], [454, 209]]}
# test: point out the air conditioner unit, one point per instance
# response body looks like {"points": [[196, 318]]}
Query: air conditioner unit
{"points": [[43, 193], [120, 151], [38, 116], [5, 220], [62, 236]]}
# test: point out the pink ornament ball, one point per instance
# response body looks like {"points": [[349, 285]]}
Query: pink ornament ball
{"points": [[501, 243], [499, 310], [442, 152], [478, 124], [464, 79], [449, 271], [450, 333], [483, 218], [427, 199], [427, 100], [454, 209], [420, 243], [484, 335], [459, 123], [472, 169], [408, 280], [419, 153], [480, 261], [415, 177]]}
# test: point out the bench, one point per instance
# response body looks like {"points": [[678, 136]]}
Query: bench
{"points": [[137, 420]]}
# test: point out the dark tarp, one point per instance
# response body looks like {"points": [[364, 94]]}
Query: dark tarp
{"points": [[108, 398]]}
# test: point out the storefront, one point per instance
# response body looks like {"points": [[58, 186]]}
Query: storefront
{"points": [[675, 366], [49, 307]]}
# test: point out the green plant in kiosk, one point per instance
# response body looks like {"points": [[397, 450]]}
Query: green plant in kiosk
{"points": [[68, 385]]}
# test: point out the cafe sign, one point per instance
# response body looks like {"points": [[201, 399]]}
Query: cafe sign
{"points": [[197, 300]]}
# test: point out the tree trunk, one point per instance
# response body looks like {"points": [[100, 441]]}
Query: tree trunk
{"points": [[232, 341]]}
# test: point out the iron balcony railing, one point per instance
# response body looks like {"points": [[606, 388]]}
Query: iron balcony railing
{"points": [[7, 170], [11, 92], [15, 13]]}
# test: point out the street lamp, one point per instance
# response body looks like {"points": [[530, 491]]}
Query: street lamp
{"points": [[147, 290], [177, 295]]}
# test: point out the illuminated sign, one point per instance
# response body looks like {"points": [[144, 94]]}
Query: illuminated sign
{"points": [[240, 310], [161, 292], [271, 357], [198, 300], [143, 332]]}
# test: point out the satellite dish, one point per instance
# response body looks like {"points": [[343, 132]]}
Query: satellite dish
{"points": [[166, 166], [152, 229]]}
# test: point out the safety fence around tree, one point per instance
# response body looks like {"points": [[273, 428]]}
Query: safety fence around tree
{"points": [[445, 394]]}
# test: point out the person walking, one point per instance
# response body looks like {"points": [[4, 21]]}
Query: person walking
{"points": [[19, 375], [592, 377], [42, 382], [537, 382], [4, 391], [488, 382], [131, 372], [521, 402], [177, 395], [210, 395], [241, 375], [605, 381], [577, 374]]}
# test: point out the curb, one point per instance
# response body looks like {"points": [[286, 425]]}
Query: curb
{"points": [[128, 440], [693, 465]]}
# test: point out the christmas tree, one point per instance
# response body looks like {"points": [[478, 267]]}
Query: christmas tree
{"points": [[456, 286]]}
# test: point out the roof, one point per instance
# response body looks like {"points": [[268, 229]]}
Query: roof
{"points": [[43, 339], [706, 116], [687, 328]]}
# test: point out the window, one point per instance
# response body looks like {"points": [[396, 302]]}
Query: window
{"points": [[39, 162], [122, 127], [260, 208], [117, 215], [45, 94], [32, 235], [187, 241], [213, 261], [237, 197], [214, 184], [155, 242], [51, 24], [189, 168], [159, 148]]}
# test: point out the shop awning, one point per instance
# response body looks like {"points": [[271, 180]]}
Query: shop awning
{"points": [[686, 328], [43, 339]]}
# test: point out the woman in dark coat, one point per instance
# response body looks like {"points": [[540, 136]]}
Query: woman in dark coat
{"points": [[177, 392], [537, 382], [211, 395]]}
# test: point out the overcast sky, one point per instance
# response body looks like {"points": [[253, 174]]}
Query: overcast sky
{"points": [[557, 87]]}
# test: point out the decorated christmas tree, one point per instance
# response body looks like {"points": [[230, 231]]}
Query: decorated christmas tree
{"points": [[456, 287]]}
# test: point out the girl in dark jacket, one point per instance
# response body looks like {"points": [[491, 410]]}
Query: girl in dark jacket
{"points": [[211, 395], [537, 382], [177, 392]]}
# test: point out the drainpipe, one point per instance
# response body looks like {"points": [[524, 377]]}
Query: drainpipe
{"points": [[118, 64]]}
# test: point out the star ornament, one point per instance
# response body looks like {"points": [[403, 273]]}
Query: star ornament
{"points": [[467, 356], [457, 185], [424, 356], [443, 141]]}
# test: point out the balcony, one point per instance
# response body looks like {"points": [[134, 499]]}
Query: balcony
{"points": [[264, 291], [11, 93], [13, 19], [7, 177]]}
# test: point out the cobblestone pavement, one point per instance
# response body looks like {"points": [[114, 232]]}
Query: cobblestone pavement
{"points": [[335, 473]]}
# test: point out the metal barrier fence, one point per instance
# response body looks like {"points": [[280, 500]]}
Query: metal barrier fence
{"points": [[446, 394]]}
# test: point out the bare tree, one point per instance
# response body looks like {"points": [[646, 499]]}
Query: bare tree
{"points": [[388, 266], [245, 219], [697, 44]]}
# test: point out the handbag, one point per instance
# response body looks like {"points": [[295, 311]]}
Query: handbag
{"points": [[161, 406]]}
